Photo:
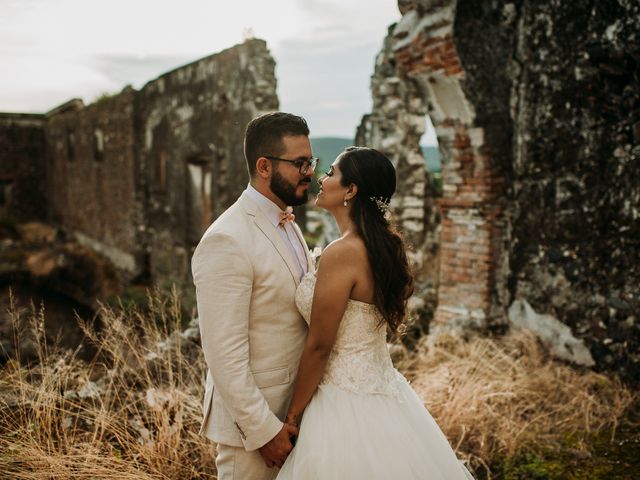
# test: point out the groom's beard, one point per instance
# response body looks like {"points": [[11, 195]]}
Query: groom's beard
{"points": [[287, 192]]}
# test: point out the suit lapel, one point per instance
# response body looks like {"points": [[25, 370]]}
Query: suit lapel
{"points": [[272, 235], [303, 242]]}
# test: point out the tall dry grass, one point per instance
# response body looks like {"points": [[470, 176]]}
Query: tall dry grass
{"points": [[132, 413], [135, 411], [494, 398]]}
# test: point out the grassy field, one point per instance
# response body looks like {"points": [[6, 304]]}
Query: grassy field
{"points": [[134, 412]]}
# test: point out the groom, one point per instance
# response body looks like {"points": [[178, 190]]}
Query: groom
{"points": [[246, 269]]}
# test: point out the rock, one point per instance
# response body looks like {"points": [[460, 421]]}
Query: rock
{"points": [[90, 390], [555, 335], [36, 232]]}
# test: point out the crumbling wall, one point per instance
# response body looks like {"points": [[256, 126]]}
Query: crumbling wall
{"points": [[427, 63], [395, 127], [536, 109], [22, 167], [92, 176], [575, 204], [138, 176], [191, 128]]}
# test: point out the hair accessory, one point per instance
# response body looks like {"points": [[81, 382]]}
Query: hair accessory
{"points": [[382, 204]]}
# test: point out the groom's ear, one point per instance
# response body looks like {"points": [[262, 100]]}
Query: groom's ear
{"points": [[263, 167]]}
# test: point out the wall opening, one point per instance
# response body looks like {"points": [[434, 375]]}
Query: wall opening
{"points": [[71, 149], [98, 145], [199, 202], [431, 152], [6, 185]]}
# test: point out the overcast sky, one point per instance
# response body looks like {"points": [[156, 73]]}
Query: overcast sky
{"points": [[55, 50]]}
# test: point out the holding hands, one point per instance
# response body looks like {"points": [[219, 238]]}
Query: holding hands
{"points": [[275, 451]]}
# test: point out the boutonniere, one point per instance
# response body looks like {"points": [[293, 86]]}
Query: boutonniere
{"points": [[315, 254]]}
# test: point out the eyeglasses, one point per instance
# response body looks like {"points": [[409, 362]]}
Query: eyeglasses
{"points": [[303, 164]]}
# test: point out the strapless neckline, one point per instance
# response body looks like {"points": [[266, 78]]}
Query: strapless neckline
{"points": [[365, 305], [359, 360]]}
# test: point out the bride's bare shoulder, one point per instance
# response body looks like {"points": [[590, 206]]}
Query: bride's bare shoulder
{"points": [[346, 252]]}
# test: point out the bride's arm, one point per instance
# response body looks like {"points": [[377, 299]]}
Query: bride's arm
{"points": [[335, 279]]}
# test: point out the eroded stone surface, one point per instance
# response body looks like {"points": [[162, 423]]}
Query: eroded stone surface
{"points": [[22, 166], [139, 175], [555, 335], [537, 111]]}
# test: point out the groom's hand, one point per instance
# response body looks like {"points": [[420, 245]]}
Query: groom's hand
{"points": [[276, 450]]}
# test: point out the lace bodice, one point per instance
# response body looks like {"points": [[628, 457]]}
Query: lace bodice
{"points": [[360, 360]]}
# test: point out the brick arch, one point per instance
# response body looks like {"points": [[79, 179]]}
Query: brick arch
{"points": [[535, 108], [395, 127], [419, 72]]}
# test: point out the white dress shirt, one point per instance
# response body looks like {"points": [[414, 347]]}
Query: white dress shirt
{"points": [[287, 232]]}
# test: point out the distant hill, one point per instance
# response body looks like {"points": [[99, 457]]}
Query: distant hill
{"points": [[328, 148], [432, 156]]}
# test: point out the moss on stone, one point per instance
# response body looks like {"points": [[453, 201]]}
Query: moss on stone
{"points": [[604, 455]]}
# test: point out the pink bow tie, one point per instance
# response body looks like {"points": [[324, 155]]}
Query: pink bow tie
{"points": [[286, 216]]}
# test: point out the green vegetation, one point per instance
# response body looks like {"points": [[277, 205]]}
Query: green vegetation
{"points": [[328, 148], [432, 158], [608, 454], [105, 96]]}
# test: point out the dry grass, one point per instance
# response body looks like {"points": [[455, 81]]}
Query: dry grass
{"points": [[494, 398], [136, 412]]}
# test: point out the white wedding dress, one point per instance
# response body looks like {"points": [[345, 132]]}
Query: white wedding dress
{"points": [[365, 422]]}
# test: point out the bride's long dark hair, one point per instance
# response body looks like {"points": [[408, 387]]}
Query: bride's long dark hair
{"points": [[375, 177]]}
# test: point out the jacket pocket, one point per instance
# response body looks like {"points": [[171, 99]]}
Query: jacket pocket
{"points": [[271, 377]]}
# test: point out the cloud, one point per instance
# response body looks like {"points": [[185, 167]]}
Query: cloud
{"points": [[38, 83], [327, 82], [55, 50], [136, 69]]}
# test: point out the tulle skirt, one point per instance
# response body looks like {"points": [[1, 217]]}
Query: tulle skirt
{"points": [[348, 435]]}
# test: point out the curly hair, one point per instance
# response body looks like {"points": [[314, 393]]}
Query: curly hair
{"points": [[375, 177]]}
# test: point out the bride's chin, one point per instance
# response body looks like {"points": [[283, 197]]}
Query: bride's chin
{"points": [[319, 203]]}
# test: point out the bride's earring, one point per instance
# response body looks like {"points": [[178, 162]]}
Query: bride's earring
{"points": [[345, 202]]}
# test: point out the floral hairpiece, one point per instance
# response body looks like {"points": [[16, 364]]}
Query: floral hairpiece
{"points": [[381, 203]]}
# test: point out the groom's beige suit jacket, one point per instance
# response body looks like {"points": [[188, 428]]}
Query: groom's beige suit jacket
{"points": [[252, 333]]}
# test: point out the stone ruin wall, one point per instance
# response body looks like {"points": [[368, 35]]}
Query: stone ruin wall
{"points": [[190, 140], [536, 109], [395, 127], [91, 172], [22, 166], [138, 176]]}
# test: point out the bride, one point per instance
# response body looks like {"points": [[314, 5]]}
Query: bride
{"points": [[361, 418]]}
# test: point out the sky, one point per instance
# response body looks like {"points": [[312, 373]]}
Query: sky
{"points": [[55, 50]]}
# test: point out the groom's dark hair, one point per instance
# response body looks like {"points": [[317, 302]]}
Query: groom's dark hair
{"points": [[263, 136]]}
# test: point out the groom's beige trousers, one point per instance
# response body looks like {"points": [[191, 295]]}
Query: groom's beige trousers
{"points": [[235, 463]]}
